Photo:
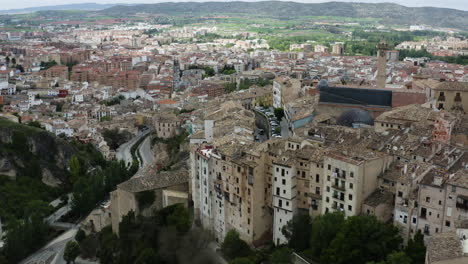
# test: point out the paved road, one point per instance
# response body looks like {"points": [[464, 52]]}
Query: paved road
{"points": [[123, 152], [54, 250], [146, 152], [214, 248]]}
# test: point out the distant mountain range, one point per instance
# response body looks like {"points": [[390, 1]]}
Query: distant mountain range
{"points": [[83, 6], [386, 12]]}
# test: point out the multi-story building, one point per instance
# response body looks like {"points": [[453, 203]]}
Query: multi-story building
{"points": [[451, 96], [350, 178], [456, 200], [166, 125], [229, 191]]}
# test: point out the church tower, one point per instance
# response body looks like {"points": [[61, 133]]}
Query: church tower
{"points": [[382, 64]]}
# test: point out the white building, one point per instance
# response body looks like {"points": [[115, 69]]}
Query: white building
{"points": [[284, 196]]}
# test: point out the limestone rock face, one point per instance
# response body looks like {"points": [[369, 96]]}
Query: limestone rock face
{"points": [[33, 152]]}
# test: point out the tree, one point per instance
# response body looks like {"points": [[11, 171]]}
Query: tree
{"points": [[416, 250], [362, 239], [7, 60], [281, 255], [180, 217], [279, 113], [72, 251], [398, 258], [89, 246], [13, 61], [24, 237], [323, 231], [233, 246], [80, 235], [74, 168], [147, 256], [20, 67], [297, 232], [241, 261]]}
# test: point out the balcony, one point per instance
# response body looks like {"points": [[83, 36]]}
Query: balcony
{"points": [[338, 174], [340, 187], [338, 197]]}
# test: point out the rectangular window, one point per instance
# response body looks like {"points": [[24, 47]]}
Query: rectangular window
{"points": [[428, 199], [317, 190], [283, 181], [280, 203], [351, 185], [317, 178], [447, 223], [350, 208], [329, 167], [282, 172]]}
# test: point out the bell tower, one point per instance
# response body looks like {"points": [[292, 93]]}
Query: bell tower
{"points": [[382, 64]]}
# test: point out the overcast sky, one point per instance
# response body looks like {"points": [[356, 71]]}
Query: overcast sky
{"points": [[11, 4]]}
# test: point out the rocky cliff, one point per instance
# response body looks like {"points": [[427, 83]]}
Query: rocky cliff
{"points": [[33, 152]]}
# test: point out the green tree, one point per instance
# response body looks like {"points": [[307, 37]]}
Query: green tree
{"points": [[324, 229], [281, 255], [398, 258], [7, 60], [241, 261], [75, 168], [362, 239], [229, 87], [80, 235], [297, 232], [180, 217], [72, 251], [279, 113], [89, 246], [24, 237], [13, 61], [233, 246], [147, 256], [416, 249], [20, 67]]}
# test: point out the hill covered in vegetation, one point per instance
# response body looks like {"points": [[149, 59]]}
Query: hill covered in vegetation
{"points": [[385, 12]]}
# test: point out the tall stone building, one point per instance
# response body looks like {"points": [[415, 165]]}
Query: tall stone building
{"points": [[382, 64]]}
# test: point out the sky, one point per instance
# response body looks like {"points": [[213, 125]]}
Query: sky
{"points": [[11, 4]]}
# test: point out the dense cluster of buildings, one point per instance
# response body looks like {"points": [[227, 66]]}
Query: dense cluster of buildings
{"points": [[360, 135]]}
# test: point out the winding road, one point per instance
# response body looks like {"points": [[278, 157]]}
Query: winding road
{"points": [[124, 151], [52, 253]]}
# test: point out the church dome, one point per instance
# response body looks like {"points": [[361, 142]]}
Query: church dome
{"points": [[323, 84], [355, 116]]}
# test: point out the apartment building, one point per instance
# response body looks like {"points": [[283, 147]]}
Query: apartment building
{"points": [[456, 200], [297, 172], [229, 191], [407, 176], [166, 125], [451, 96], [350, 178]]}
